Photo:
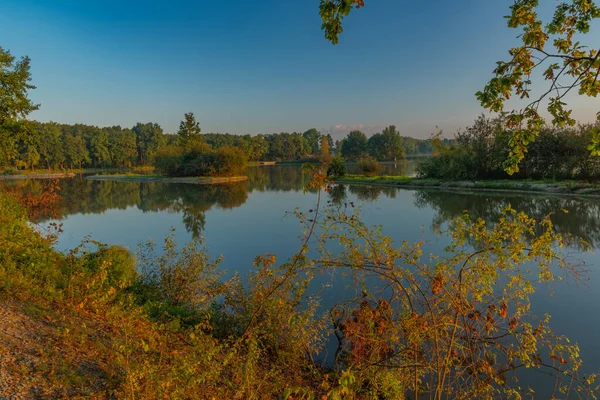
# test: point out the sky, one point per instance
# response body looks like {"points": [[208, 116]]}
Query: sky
{"points": [[262, 66]]}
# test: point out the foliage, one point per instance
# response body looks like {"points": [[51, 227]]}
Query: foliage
{"points": [[337, 168], [386, 146], [200, 160], [369, 166], [354, 146], [480, 151], [189, 130], [332, 12], [459, 326], [14, 84], [567, 64]]}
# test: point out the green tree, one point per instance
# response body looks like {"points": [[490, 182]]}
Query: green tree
{"points": [[100, 149], [189, 129], [76, 151], [354, 146], [325, 148], [313, 138], [149, 137], [8, 145], [122, 146], [14, 84], [51, 146]]}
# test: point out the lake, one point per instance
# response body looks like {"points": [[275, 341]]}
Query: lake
{"points": [[243, 220]]}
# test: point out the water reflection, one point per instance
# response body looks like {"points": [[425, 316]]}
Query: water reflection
{"points": [[82, 196], [577, 216]]}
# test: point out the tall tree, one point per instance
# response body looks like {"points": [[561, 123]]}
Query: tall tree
{"points": [[386, 146], [149, 137], [100, 149], [122, 146], [313, 138], [189, 129], [354, 145], [14, 84], [76, 151], [325, 149], [50, 145]]}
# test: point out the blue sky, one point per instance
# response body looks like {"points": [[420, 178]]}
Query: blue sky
{"points": [[260, 66]]}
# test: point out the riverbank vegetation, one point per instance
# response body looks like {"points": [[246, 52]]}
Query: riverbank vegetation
{"points": [[480, 152]]}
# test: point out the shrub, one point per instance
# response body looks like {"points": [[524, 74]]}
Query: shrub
{"points": [[119, 262], [337, 168], [369, 166], [168, 160]]}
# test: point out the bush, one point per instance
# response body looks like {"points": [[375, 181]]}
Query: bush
{"points": [[450, 164], [337, 168], [369, 166], [119, 262], [169, 160]]}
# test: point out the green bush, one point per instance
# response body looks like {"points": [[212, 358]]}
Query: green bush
{"points": [[337, 168], [119, 262], [369, 166], [168, 160]]}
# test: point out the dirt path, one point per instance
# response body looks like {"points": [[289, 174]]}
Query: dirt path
{"points": [[21, 350], [35, 363]]}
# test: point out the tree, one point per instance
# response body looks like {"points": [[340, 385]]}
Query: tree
{"points": [[189, 129], [325, 146], [354, 145], [393, 148], [149, 137], [76, 151], [313, 137], [51, 146], [14, 84], [100, 149], [554, 47], [122, 146], [330, 142], [568, 64]]}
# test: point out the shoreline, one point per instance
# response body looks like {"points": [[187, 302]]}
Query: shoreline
{"points": [[570, 188], [38, 176], [154, 178]]}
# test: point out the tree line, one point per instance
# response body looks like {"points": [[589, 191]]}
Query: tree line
{"points": [[32, 145]]}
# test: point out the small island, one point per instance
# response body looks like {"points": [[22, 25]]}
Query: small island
{"points": [[199, 180], [58, 175]]}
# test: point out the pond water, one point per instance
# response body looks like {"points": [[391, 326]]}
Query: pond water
{"points": [[243, 220]]}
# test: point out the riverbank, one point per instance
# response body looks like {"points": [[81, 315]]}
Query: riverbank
{"points": [[546, 186], [38, 176], [69, 173], [199, 180]]}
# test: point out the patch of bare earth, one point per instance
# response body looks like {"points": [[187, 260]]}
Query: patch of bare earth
{"points": [[35, 365]]}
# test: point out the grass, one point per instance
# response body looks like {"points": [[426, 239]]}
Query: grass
{"points": [[130, 177], [546, 185], [76, 170]]}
